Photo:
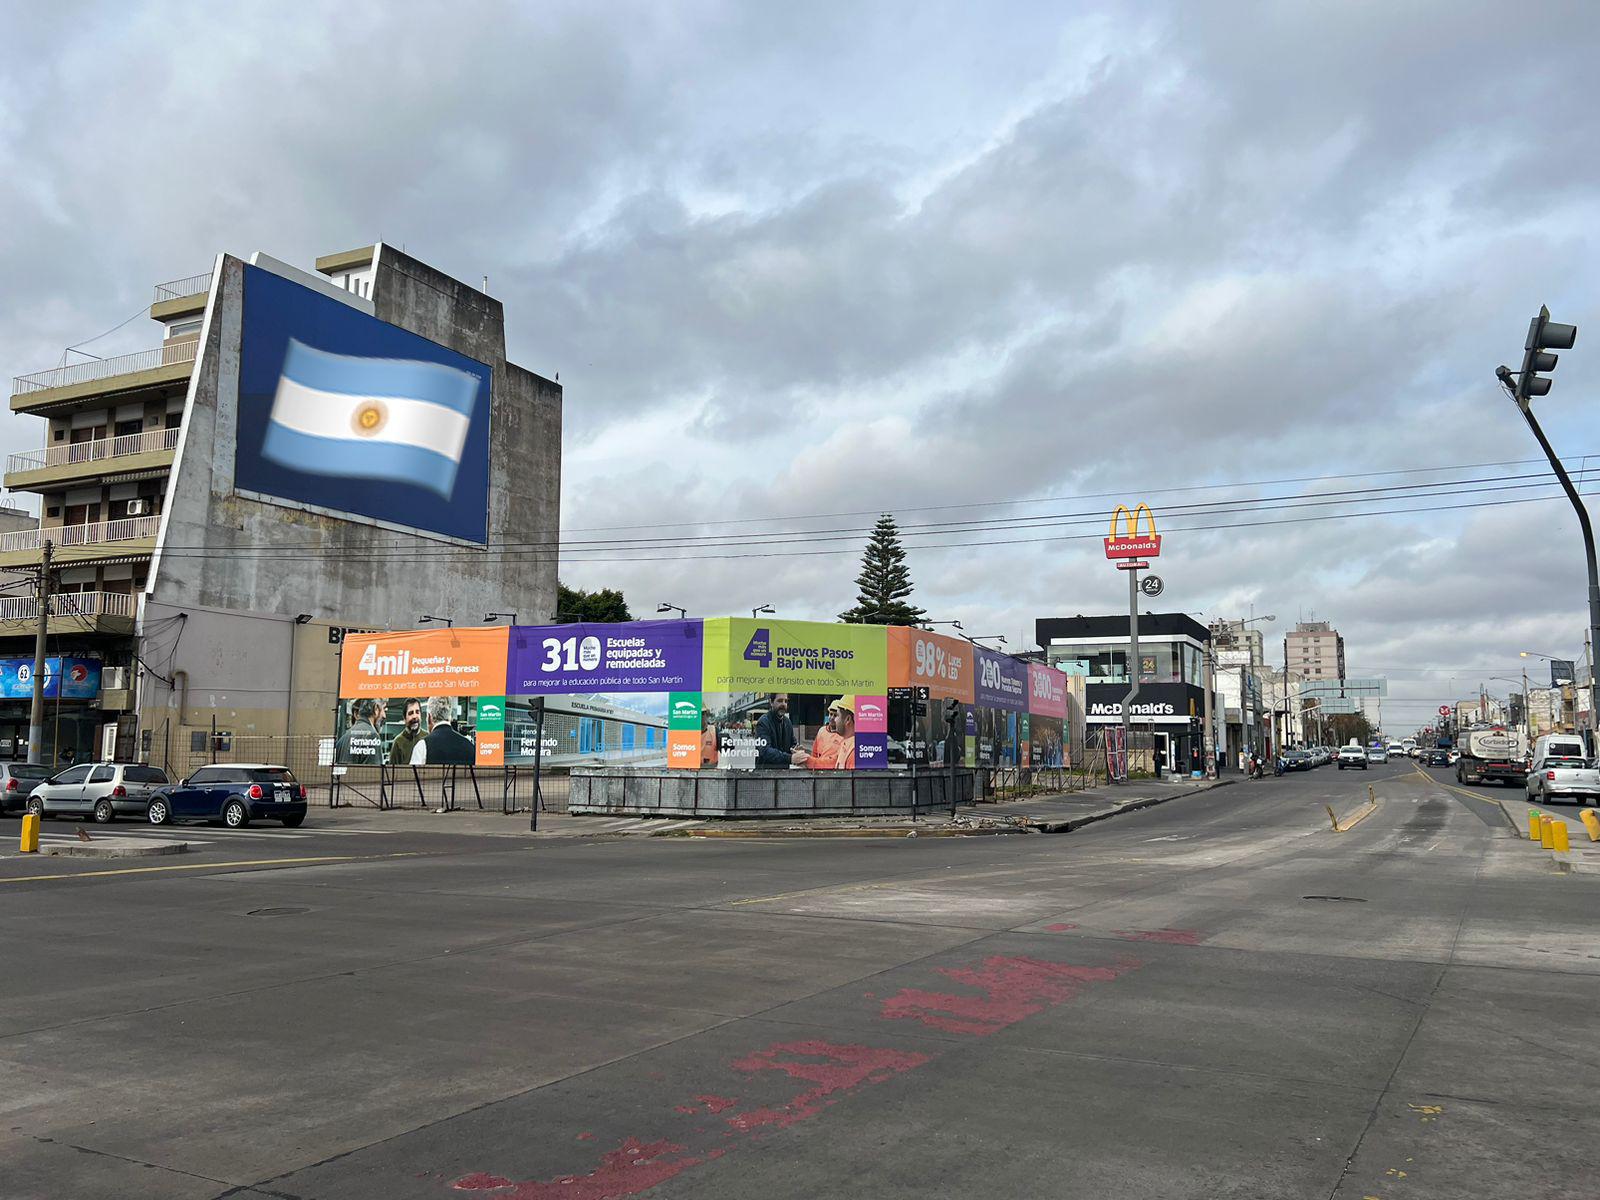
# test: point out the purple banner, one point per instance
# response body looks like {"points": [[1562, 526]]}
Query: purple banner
{"points": [[1002, 682], [628, 656]]}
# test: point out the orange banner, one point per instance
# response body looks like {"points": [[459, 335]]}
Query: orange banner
{"points": [[943, 665], [434, 662]]}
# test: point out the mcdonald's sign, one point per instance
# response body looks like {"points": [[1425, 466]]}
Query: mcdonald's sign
{"points": [[1131, 543]]}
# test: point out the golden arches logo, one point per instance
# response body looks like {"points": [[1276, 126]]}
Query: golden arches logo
{"points": [[1130, 543], [1132, 520]]}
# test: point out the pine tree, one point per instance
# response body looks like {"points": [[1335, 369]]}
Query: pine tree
{"points": [[884, 582]]}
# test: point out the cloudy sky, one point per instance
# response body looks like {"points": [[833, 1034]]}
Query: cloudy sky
{"points": [[796, 265]]}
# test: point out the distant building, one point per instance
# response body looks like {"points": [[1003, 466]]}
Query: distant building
{"points": [[1314, 650]]}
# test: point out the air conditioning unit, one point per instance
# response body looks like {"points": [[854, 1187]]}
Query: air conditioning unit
{"points": [[140, 508], [114, 679]]}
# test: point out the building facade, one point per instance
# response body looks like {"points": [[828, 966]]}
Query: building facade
{"points": [[1314, 650], [1173, 672], [209, 564]]}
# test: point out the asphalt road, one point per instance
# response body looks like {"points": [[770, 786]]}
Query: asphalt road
{"points": [[1217, 997]]}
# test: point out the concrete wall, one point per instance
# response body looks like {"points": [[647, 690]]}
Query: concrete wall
{"points": [[209, 561]]}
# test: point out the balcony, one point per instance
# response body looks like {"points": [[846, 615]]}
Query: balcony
{"points": [[35, 470], [180, 297], [125, 537], [70, 612], [169, 363]]}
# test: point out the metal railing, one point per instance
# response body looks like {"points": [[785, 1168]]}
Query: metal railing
{"points": [[68, 604], [73, 453], [125, 529], [105, 368], [177, 289]]}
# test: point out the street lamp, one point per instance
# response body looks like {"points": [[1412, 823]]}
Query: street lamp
{"points": [[1527, 710], [664, 607], [491, 618], [427, 620], [931, 624], [986, 637], [765, 608]]}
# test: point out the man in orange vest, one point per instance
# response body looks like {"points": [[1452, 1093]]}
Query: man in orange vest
{"points": [[835, 746]]}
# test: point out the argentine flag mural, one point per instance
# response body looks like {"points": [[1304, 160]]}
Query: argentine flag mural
{"points": [[401, 420]]}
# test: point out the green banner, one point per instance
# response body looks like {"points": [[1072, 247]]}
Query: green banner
{"points": [[683, 711], [491, 714], [795, 656]]}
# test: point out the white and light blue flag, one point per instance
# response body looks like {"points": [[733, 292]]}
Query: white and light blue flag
{"points": [[371, 418]]}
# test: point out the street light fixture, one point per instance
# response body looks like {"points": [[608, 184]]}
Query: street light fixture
{"points": [[986, 637], [664, 607], [491, 618], [952, 624], [427, 620], [765, 608]]}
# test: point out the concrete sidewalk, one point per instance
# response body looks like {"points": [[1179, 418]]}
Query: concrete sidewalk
{"points": [[1583, 855], [1073, 810]]}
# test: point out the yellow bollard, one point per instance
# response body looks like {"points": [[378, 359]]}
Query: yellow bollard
{"points": [[1558, 837], [1547, 837], [1533, 824], [30, 833], [1591, 822]]}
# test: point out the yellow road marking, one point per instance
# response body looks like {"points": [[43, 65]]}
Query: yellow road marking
{"points": [[253, 862], [1450, 787]]}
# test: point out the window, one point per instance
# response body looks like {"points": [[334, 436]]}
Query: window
{"points": [[183, 329], [128, 428], [206, 775], [103, 774], [72, 775], [144, 774], [272, 775]]}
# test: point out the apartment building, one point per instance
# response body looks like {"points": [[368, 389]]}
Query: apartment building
{"points": [[1314, 650], [202, 575]]}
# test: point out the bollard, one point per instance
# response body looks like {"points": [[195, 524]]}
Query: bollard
{"points": [[1591, 822], [1558, 837], [30, 833], [1533, 824], [1547, 836]]}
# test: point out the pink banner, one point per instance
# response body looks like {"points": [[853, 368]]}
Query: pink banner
{"points": [[1047, 691], [872, 714]]}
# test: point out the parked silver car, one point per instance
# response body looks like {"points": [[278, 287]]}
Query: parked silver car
{"points": [[103, 791], [16, 781]]}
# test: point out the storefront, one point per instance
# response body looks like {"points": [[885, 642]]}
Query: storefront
{"points": [[72, 718], [1173, 713]]}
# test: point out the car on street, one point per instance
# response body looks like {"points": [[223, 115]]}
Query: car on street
{"points": [[1438, 756], [1352, 757], [1394, 750], [103, 791], [1377, 754], [1297, 760], [1562, 771], [233, 793], [17, 781]]}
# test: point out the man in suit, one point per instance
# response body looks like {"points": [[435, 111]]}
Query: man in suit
{"points": [[443, 747], [775, 733]]}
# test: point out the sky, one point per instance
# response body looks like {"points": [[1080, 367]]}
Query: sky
{"points": [[799, 265]]}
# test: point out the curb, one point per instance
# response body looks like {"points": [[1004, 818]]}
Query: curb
{"points": [[1072, 823], [896, 831], [90, 850], [1511, 821]]}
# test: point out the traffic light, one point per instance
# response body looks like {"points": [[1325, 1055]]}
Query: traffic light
{"points": [[952, 714], [1544, 335]]}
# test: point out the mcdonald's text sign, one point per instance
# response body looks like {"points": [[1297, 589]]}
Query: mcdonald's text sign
{"points": [[1130, 542]]}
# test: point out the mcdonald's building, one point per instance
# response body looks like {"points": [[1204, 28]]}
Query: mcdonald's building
{"points": [[1171, 703]]}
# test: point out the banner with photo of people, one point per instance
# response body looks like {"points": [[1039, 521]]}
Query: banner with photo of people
{"points": [[721, 693]]}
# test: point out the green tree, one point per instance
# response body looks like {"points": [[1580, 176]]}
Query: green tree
{"points": [[1349, 727], [575, 604], [884, 582]]}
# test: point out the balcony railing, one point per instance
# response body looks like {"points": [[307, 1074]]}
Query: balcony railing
{"points": [[177, 289], [68, 604], [88, 452], [104, 368], [125, 529]]}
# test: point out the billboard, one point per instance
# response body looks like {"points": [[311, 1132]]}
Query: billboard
{"points": [[67, 679], [347, 414], [633, 656]]}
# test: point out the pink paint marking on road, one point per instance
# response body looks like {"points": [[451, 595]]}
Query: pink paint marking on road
{"points": [[1059, 927], [632, 1168], [841, 1071], [716, 1104], [1172, 937], [586, 1137], [1012, 989]]}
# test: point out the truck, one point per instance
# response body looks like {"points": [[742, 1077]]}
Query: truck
{"points": [[1493, 752]]}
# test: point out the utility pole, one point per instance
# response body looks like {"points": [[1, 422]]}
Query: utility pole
{"points": [[41, 629], [1208, 744]]}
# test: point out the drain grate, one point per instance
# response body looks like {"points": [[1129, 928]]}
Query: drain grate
{"points": [[276, 912], [1337, 899]]}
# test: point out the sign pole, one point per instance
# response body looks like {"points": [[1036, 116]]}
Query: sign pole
{"points": [[1133, 669], [538, 762]]}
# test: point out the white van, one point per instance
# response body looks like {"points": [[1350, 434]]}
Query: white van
{"points": [[1563, 770]]}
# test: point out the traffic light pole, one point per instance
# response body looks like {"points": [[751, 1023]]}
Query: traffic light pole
{"points": [[1588, 550]]}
